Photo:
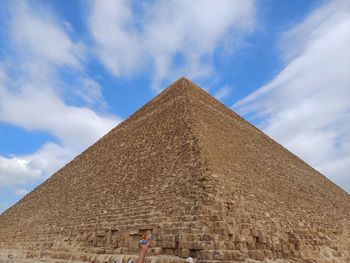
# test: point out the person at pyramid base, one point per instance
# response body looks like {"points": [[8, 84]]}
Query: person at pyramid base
{"points": [[143, 251]]}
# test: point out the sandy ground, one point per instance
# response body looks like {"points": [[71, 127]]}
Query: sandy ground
{"points": [[13, 256], [35, 260]]}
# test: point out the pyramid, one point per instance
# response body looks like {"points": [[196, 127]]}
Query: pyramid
{"points": [[206, 182]]}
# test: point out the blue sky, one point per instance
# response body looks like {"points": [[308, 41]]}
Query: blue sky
{"points": [[72, 70]]}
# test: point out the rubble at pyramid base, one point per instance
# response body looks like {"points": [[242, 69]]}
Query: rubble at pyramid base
{"points": [[14, 256]]}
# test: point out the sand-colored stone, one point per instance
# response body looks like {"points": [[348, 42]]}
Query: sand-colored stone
{"points": [[207, 183]]}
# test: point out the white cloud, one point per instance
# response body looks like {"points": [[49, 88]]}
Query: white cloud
{"points": [[307, 106], [41, 38], [15, 171], [50, 157], [31, 96], [90, 92], [175, 37], [21, 192], [75, 127], [35, 167]]}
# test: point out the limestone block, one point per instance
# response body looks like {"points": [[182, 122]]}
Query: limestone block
{"points": [[238, 255], [218, 255], [185, 253], [258, 254], [207, 254]]}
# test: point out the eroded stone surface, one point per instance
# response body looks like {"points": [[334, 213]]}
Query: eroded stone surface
{"points": [[203, 180]]}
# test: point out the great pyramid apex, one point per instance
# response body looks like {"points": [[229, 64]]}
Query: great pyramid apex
{"points": [[203, 180]]}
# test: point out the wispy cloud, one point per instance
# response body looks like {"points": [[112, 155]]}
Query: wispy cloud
{"points": [[21, 192], [173, 37], [32, 95], [306, 106], [15, 171], [222, 92], [39, 37]]}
